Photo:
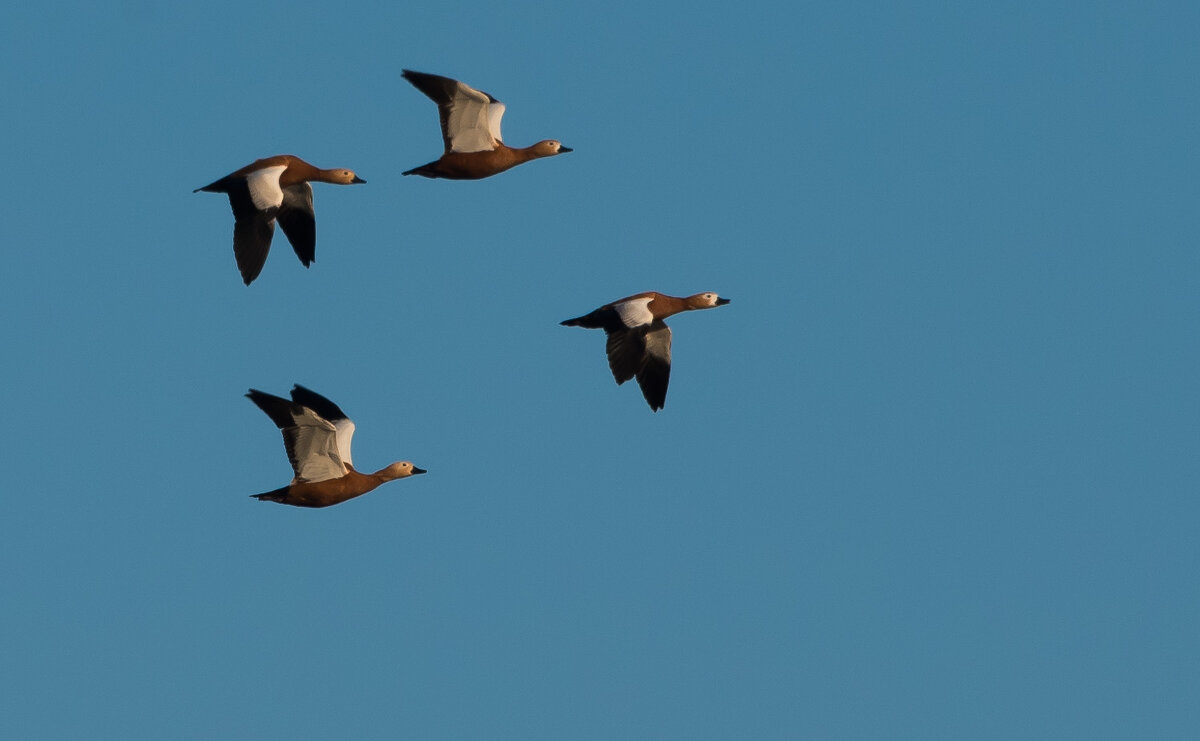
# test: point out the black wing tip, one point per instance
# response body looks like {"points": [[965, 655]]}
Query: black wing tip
{"points": [[277, 408], [306, 397], [422, 80], [654, 391], [250, 273], [441, 90], [258, 394], [654, 377], [655, 402], [303, 391], [255, 395], [411, 75]]}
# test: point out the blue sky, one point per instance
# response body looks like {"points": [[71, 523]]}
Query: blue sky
{"points": [[932, 474]]}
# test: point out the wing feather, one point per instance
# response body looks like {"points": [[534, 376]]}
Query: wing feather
{"points": [[654, 374], [625, 349], [311, 441], [299, 222], [470, 118]]}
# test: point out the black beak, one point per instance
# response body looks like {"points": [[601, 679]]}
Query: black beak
{"points": [[722, 301], [562, 149], [418, 470], [357, 179]]}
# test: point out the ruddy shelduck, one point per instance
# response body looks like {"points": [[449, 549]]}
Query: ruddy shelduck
{"points": [[269, 190], [639, 342], [317, 436], [471, 132]]}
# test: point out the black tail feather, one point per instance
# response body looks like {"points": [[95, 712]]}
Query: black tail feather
{"points": [[272, 496], [603, 318], [426, 171]]}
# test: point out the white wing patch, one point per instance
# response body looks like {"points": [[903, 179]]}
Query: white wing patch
{"points": [[313, 445], [264, 187], [345, 431], [468, 127], [495, 113], [635, 312]]}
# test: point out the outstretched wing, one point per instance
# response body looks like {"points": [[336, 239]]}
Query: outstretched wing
{"points": [[299, 221], [310, 440], [326, 409], [655, 372], [253, 229], [470, 118]]}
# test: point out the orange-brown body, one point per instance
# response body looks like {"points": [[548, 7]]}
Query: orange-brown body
{"points": [[638, 341], [660, 307], [479, 165], [317, 436], [470, 122], [269, 190], [298, 171], [330, 492]]}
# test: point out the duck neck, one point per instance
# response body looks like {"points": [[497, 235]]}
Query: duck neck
{"points": [[525, 154], [667, 306], [385, 475]]}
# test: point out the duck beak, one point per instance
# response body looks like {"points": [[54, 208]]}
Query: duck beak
{"points": [[562, 149], [722, 301], [357, 179], [418, 470]]}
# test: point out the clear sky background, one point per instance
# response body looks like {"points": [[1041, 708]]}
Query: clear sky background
{"points": [[932, 474]]}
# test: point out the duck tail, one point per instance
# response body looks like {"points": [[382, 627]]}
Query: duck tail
{"points": [[425, 171], [217, 186], [271, 496], [599, 319]]}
